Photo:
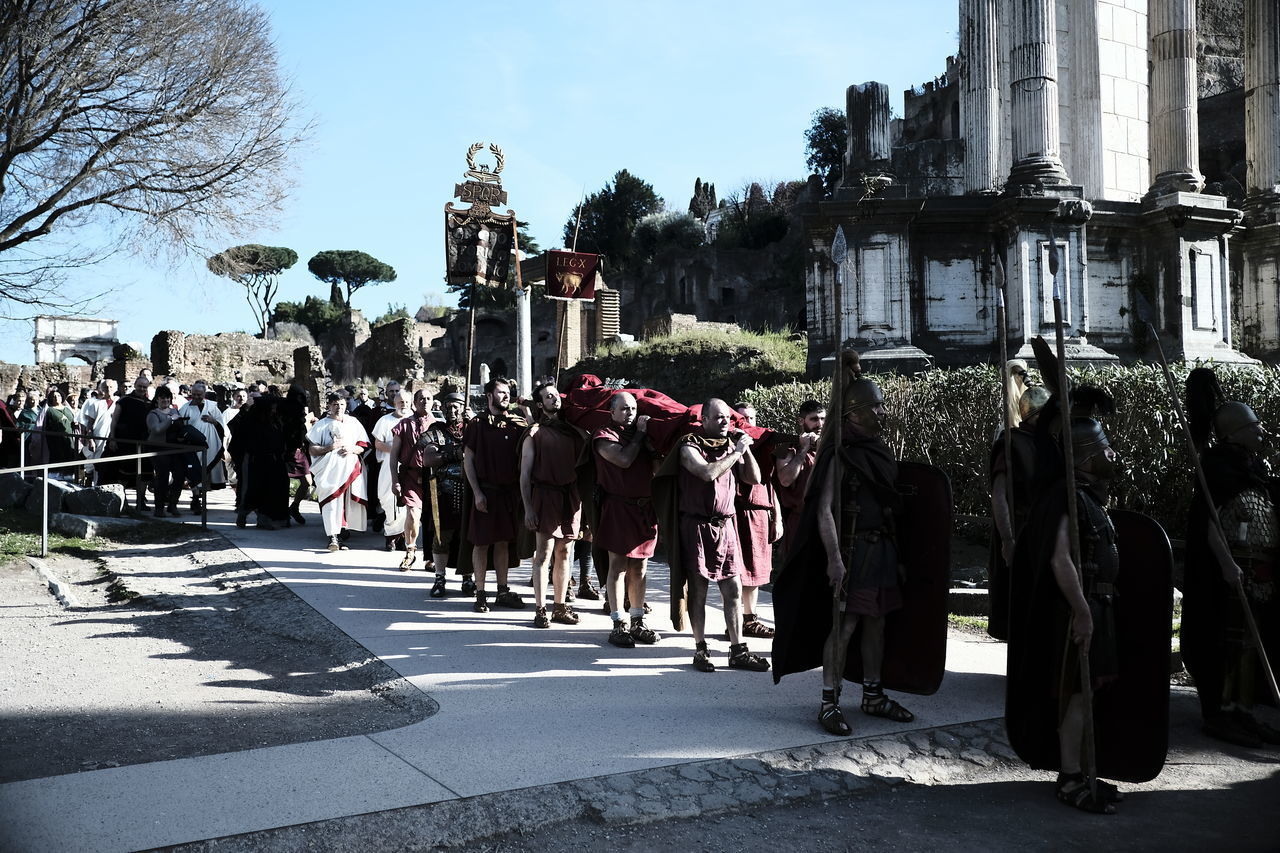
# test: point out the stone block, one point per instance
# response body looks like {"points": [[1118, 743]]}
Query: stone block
{"points": [[106, 500], [58, 491], [13, 491]]}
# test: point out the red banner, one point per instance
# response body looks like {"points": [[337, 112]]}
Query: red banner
{"points": [[572, 275]]}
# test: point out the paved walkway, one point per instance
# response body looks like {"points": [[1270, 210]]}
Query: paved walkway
{"points": [[519, 708]]}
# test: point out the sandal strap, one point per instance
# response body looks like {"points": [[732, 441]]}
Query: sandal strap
{"points": [[880, 705]]}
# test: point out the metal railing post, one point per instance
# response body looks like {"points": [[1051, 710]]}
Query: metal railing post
{"points": [[44, 515]]}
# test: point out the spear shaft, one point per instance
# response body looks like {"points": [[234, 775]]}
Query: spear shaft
{"points": [[1073, 515]]}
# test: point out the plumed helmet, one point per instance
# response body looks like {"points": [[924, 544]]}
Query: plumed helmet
{"points": [[1032, 401], [1231, 417], [1088, 439]]}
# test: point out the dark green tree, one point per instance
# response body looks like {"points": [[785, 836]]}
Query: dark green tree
{"points": [[825, 143], [704, 199], [320, 316], [671, 231], [258, 269], [394, 312], [609, 218], [349, 268]]}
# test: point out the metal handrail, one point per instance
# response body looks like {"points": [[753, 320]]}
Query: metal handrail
{"points": [[170, 449]]}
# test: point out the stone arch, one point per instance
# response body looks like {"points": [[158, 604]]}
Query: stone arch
{"points": [[90, 339]]}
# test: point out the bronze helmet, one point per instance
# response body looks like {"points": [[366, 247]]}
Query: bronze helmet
{"points": [[1032, 401], [861, 394]]}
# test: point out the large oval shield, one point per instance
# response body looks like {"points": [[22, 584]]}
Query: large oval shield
{"points": [[915, 656], [1131, 715]]}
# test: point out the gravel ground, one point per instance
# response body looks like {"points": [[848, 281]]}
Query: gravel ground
{"points": [[242, 661]]}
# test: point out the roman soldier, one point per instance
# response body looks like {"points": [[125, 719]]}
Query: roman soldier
{"points": [[1218, 651], [552, 504], [863, 590], [1067, 706], [491, 460], [445, 491]]}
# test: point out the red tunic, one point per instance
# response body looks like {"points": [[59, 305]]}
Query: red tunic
{"points": [[554, 492], [708, 519], [412, 458], [755, 514], [495, 441], [627, 523], [792, 499]]}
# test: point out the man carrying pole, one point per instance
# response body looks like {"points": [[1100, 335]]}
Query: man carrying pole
{"points": [[1066, 636], [1229, 605]]}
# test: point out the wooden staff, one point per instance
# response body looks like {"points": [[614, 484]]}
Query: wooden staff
{"points": [[1073, 529], [1002, 329], [1002, 332], [839, 252], [1144, 316]]}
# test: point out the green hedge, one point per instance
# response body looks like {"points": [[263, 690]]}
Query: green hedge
{"points": [[949, 418]]}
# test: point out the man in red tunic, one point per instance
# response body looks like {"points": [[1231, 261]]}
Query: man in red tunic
{"points": [[710, 467], [552, 505], [407, 467], [491, 460], [792, 471], [627, 526], [759, 526]]}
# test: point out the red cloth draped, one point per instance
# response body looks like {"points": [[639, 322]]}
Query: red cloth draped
{"points": [[587, 406]]}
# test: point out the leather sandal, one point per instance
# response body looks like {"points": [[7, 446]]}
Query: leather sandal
{"points": [[754, 628], [831, 718], [702, 659], [437, 588], [1073, 789], [540, 619], [740, 657], [410, 557], [563, 614], [880, 705]]}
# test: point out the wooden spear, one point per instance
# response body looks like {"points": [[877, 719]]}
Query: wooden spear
{"points": [[1002, 329], [839, 253], [1073, 529]]}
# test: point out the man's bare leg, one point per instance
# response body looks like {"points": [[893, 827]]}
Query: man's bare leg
{"points": [[636, 577], [480, 565], [538, 571], [412, 517], [619, 573], [874, 700], [731, 597], [560, 569], [697, 607]]}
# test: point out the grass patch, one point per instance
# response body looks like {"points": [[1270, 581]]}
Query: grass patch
{"points": [[967, 623], [20, 536]]}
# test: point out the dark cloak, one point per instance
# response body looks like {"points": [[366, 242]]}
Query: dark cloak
{"points": [[1209, 604], [1131, 714], [916, 633]]}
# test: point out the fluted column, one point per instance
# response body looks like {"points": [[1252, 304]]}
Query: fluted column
{"points": [[1033, 75], [1174, 130], [1262, 99], [980, 95]]}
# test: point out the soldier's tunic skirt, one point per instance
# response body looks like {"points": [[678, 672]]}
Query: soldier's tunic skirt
{"points": [[495, 440], [628, 522], [755, 515], [708, 520], [554, 492]]}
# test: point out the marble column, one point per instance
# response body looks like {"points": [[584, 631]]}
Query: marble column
{"points": [[1033, 75], [1174, 130], [1262, 101], [980, 95], [870, 148]]}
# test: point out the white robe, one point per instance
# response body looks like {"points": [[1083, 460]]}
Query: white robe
{"points": [[211, 457], [95, 417], [395, 515], [340, 482]]}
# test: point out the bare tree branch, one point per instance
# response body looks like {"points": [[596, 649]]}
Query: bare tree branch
{"points": [[168, 116]]}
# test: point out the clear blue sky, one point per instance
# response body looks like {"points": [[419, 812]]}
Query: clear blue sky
{"points": [[571, 91]]}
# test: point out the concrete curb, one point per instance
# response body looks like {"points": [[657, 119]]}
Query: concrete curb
{"points": [[60, 590], [817, 772]]}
